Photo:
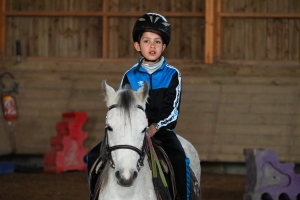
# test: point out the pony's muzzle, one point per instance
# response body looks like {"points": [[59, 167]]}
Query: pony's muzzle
{"points": [[125, 179]]}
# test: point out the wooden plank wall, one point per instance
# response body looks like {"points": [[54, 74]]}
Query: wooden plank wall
{"points": [[65, 5], [260, 39], [239, 30], [55, 37], [46, 90], [223, 116], [224, 109], [44, 36], [81, 36], [2, 29]]}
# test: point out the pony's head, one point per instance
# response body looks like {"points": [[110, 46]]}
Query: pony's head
{"points": [[126, 126]]}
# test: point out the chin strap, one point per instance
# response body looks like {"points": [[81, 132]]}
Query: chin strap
{"points": [[145, 59], [158, 59], [138, 67]]}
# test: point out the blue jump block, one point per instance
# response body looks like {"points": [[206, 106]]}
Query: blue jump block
{"points": [[7, 167]]}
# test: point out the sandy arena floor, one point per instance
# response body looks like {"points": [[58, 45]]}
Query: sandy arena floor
{"points": [[73, 185]]}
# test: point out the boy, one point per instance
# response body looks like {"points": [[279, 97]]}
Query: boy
{"points": [[151, 35]]}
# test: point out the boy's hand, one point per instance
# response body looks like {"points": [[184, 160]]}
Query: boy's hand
{"points": [[151, 130]]}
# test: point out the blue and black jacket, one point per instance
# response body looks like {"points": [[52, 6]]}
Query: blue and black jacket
{"points": [[163, 103]]}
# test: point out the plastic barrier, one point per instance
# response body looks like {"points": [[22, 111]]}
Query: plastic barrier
{"points": [[268, 179], [7, 167], [67, 151]]}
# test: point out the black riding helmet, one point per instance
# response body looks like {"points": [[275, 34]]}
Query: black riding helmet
{"points": [[152, 22]]}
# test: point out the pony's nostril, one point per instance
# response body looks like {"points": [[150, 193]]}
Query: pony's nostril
{"points": [[135, 174], [117, 174]]}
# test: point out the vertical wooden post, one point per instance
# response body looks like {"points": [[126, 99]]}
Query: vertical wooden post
{"points": [[209, 32], [2, 28], [105, 30], [217, 30]]}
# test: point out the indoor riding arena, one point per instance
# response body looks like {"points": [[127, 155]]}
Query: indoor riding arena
{"points": [[240, 99]]}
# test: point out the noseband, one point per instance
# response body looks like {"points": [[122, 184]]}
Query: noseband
{"points": [[109, 149]]}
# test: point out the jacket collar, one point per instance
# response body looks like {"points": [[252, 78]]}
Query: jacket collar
{"points": [[141, 69]]}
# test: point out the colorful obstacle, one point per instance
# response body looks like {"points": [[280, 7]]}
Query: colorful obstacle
{"points": [[7, 167], [268, 179], [67, 151]]}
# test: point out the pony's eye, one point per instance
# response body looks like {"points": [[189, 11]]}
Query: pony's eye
{"points": [[109, 128]]}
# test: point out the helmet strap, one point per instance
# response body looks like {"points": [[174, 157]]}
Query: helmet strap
{"points": [[156, 60], [141, 61], [139, 66]]}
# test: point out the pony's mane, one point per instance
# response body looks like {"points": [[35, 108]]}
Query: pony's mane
{"points": [[126, 99]]}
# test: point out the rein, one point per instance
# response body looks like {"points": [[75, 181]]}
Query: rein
{"points": [[109, 149]]}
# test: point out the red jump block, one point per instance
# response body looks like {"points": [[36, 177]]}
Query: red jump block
{"points": [[67, 151], [268, 179], [72, 125], [66, 157]]}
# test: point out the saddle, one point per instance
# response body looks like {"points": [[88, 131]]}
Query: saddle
{"points": [[194, 192], [97, 164]]}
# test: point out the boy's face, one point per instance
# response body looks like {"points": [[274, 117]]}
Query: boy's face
{"points": [[151, 46]]}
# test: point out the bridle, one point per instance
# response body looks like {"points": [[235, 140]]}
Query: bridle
{"points": [[141, 152]]}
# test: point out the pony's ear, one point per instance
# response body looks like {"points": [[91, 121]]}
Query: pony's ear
{"points": [[142, 92], [108, 91]]}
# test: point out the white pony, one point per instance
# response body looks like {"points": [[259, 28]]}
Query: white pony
{"points": [[126, 126]]}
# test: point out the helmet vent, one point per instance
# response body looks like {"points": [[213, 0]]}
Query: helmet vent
{"points": [[151, 18], [156, 19], [166, 24]]}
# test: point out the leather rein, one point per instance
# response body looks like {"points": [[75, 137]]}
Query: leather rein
{"points": [[141, 152]]}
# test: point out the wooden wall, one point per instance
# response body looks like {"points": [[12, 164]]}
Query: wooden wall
{"points": [[224, 109], [70, 46], [55, 37], [259, 38], [224, 30], [82, 36], [46, 90]]}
